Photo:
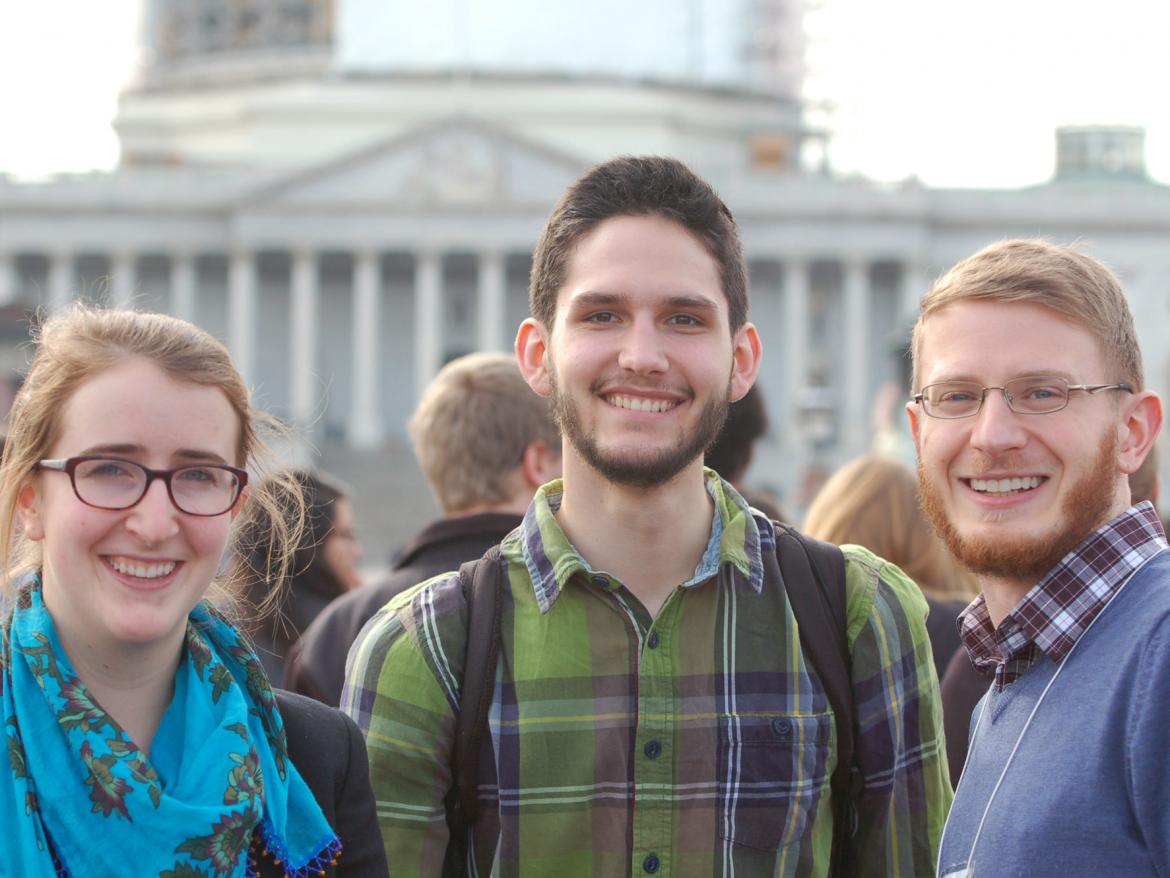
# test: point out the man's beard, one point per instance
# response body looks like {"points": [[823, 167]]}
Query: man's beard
{"points": [[1086, 506], [645, 468]]}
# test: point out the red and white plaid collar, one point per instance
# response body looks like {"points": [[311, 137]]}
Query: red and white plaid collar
{"points": [[1058, 608]]}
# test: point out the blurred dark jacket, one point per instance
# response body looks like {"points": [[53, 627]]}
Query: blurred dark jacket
{"points": [[315, 665]]}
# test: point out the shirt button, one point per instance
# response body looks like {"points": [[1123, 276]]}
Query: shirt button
{"points": [[600, 580], [652, 640], [782, 727], [651, 863], [652, 749]]}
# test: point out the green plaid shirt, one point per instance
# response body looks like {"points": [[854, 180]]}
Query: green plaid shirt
{"points": [[696, 743]]}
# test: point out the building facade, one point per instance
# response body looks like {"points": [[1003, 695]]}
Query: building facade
{"points": [[348, 224]]}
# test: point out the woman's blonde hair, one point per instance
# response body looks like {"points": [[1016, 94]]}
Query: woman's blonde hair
{"points": [[873, 502], [83, 342]]}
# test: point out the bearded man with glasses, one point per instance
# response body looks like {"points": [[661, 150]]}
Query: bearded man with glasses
{"points": [[1030, 414]]}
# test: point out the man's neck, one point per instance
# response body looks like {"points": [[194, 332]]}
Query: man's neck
{"points": [[1002, 596], [651, 539]]}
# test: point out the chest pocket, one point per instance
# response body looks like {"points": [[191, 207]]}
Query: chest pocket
{"points": [[772, 772]]}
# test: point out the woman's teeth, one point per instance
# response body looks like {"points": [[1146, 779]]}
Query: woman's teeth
{"points": [[142, 571], [1005, 486]]}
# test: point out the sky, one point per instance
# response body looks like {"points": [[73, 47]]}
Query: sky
{"points": [[953, 92]]}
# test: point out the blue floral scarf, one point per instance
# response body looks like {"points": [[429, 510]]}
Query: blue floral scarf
{"points": [[78, 798]]}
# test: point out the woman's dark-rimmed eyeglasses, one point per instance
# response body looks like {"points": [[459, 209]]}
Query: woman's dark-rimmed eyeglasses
{"points": [[205, 489]]}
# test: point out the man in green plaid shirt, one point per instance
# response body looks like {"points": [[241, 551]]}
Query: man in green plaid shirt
{"points": [[653, 711]]}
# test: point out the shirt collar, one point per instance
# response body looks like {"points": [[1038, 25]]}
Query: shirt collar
{"points": [[1058, 609], [736, 540]]}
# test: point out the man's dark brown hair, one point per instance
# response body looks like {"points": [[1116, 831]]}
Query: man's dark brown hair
{"points": [[638, 186]]}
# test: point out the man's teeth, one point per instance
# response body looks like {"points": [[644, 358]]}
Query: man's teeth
{"points": [[142, 571], [1005, 486], [640, 404]]}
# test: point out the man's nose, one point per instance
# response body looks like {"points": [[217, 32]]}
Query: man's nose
{"points": [[643, 349], [997, 427]]}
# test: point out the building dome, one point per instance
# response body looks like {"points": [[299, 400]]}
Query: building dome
{"points": [[190, 41]]}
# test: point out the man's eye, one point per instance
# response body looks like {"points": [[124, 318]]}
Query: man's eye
{"points": [[601, 317], [686, 320], [955, 396]]}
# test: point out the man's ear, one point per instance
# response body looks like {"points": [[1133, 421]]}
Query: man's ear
{"points": [[532, 354], [28, 510], [914, 413], [746, 353], [1139, 427], [540, 464]]}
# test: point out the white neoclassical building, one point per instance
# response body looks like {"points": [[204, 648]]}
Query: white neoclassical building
{"points": [[349, 203]]}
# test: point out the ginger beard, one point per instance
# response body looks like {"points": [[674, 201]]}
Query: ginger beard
{"points": [[1087, 505], [645, 468]]}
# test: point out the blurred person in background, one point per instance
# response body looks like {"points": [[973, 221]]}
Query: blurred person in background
{"points": [[485, 443], [963, 686], [731, 455], [325, 566], [873, 502]]}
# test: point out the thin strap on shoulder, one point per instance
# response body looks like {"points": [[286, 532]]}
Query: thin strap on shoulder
{"points": [[482, 583], [814, 580]]}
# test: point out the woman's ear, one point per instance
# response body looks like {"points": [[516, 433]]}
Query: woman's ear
{"points": [[239, 506], [28, 509]]}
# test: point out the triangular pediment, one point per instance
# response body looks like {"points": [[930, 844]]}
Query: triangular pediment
{"points": [[457, 163]]}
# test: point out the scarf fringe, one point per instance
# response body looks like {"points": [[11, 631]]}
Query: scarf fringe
{"points": [[266, 845]]}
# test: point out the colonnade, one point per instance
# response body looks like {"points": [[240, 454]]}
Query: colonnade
{"points": [[788, 334]]}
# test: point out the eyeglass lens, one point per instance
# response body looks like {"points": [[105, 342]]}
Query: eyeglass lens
{"points": [[118, 484], [1029, 395]]}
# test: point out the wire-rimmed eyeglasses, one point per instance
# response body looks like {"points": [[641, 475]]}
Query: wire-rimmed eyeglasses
{"points": [[204, 489], [1029, 395]]}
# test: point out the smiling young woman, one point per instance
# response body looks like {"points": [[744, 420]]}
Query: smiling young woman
{"points": [[138, 722]]}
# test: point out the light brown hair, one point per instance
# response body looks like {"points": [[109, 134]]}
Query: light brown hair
{"points": [[471, 427], [83, 342], [1038, 272], [873, 502]]}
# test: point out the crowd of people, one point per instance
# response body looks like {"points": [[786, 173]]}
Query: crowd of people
{"points": [[601, 659]]}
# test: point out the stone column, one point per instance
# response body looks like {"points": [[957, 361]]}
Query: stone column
{"points": [[428, 302], [365, 417], [61, 282], [183, 286], [914, 283], [492, 303], [303, 326], [855, 408], [8, 279], [123, 277], [796, 333], [242, 312]]}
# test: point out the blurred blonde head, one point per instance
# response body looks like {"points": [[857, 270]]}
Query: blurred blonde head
{"points": [[873, 502]]}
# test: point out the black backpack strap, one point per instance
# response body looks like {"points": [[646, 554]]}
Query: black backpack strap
{"points": [[813, 574], [482, 584]]}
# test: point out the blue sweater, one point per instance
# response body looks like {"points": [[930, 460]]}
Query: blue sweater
{"points": [[1088, 790]]}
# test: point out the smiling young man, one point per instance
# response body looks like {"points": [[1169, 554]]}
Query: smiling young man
{"points": [[653, 711], [1029, 417]]}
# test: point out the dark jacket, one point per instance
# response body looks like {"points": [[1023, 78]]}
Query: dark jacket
{"points": [[330, 754], [962, 687], [942, 626], [315, 666]]}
